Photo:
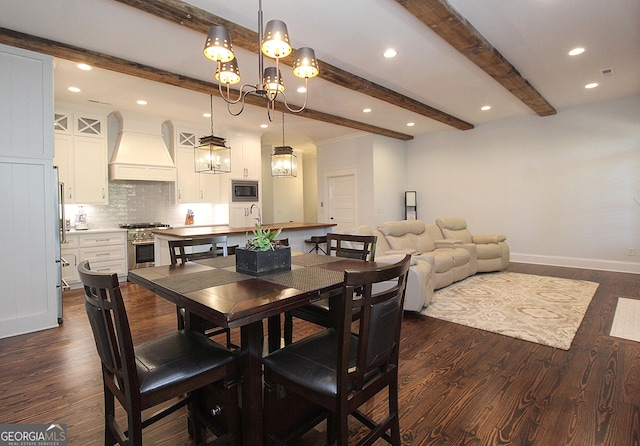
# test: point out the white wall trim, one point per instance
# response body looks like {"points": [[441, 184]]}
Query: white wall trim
{"points": [[576, 262]]}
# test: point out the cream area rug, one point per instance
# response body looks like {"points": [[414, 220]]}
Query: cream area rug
{"points": [[626, 320], [545, 310]]}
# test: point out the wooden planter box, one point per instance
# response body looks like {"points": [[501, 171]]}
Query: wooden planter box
{"points": [[259, 263]]}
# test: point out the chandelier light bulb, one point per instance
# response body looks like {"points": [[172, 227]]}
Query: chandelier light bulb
{"points": [[218, 45], [228, 72], [306, 65], [275, 43]]}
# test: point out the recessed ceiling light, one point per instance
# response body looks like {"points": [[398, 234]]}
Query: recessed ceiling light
{"points": [[141, 102], [264, 126], [485, 107], [74, 89], [389, 53], [366, 110], [410, 124], [576, 51], [591, 85], [206, 115], [301, 90], [84, 66]]}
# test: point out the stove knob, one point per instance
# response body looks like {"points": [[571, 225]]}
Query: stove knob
{"points": [[142, 235], [135, 236]]}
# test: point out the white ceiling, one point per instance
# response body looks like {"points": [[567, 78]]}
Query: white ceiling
{"points": [[534, 35]]}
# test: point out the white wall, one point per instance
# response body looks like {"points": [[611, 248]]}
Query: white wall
{"points": [[565, 189], [390, 179], [310, 185], [380, 166], [355, 155]]}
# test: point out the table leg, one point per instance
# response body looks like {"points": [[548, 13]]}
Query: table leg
{"points": [[252, 337], [274, 335]]}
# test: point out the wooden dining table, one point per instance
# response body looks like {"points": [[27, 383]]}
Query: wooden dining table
{"points": [[212, 290]]}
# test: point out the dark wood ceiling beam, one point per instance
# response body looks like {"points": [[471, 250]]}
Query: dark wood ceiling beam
{"points": [[107, 62], [182, 13], [457, 32]]}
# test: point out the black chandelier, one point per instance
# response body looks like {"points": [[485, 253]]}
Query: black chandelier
{"points": [[274, 43]]}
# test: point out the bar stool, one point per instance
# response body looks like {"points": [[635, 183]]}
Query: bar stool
{"points": [[316, 240]]}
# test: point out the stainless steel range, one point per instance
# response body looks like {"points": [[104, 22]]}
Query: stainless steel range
{"points": [[140, 243]]}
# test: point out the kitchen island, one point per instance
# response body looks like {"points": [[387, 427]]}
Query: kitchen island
{"points": [[296, 232]]}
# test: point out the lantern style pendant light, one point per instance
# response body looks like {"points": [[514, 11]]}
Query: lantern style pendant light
{"points": [[283, 161], [212, 155], [273, 43]]}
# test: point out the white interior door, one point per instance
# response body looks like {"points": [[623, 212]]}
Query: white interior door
{"points": [[342, 202]]}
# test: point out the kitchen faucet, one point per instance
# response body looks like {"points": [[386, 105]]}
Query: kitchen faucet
{"points": [[258, 218]]}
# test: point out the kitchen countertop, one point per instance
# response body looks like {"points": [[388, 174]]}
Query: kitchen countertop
{"points": [[94, 231], [203, 231]]}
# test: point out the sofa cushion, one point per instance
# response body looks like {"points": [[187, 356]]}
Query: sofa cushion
{"points": [[442, 261], [404, 242], [454, 227], [406, 235], [402, 227]]}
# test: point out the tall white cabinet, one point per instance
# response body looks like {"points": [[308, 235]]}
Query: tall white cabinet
{"points": [[81, 156], [245, 165], [192, 187], [28, 271]]}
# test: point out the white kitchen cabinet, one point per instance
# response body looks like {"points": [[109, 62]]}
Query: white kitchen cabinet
{"points": [[192, 187], [81, 157], [70, 252], [245, 155], [105, 250], [240, 215]]}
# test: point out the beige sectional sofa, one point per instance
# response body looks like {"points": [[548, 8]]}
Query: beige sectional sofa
{"points": [[421, 273], [493, 251], [438, 257], [452, 259]]}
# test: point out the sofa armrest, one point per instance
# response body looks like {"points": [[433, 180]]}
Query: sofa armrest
{"points": [[488, 238], [428, 257], [447, 243]]}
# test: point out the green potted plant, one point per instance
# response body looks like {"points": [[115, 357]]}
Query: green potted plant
{"points": [[262, 254]]}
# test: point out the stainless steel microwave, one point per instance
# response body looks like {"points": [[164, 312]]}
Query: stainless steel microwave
{"points": [[243, 190]]}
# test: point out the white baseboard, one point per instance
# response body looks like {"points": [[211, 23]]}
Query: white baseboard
{"points": [[576, 262]]}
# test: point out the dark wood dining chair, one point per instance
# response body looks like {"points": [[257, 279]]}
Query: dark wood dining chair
{"points": [[182, 251], [179, 254], [177, 365], [331, 374], [362, 247]]}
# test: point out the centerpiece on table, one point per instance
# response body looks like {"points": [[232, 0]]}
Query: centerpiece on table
{"points": [[263, 254]]}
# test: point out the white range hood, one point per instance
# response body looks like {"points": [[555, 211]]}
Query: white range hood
{"points": [[140, 152]]}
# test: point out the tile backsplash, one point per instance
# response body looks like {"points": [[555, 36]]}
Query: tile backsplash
{"points": [[147, 201]]}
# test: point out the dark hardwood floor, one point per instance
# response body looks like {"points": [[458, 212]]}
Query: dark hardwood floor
{"points": [[458, 385]]}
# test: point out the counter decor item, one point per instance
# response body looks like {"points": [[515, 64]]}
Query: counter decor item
{"points": [[81, 220], [188, 220], [263, 254]]}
